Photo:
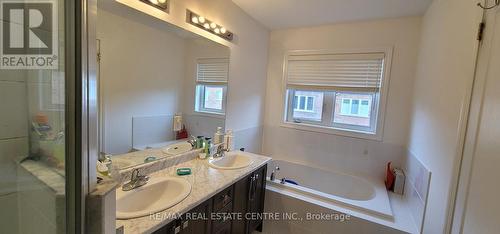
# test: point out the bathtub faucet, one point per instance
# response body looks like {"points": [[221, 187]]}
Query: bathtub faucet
{"points": [[273, 173]]}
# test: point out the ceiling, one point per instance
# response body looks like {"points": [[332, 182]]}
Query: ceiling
{"points": [[280, 14]]}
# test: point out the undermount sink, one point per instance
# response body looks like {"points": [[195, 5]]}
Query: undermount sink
{"points": [[178, 148], [232, 160], [157, 195]]}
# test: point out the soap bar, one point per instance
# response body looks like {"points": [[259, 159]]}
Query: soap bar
{"points": [[183, 171]]}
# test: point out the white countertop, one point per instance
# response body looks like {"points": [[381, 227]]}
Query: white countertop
{"points": [[206, 182]]}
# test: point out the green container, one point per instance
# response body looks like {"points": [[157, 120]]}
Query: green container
{"points": [[199, 142], [183, 171], [208, 144]]}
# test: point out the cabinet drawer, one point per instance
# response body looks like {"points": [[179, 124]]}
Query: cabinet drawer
{"points": [[223, 198]]}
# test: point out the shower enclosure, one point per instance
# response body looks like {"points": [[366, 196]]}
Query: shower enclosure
{"points": [[47, 104]]}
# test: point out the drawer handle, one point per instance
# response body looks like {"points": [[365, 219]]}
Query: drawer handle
{"points": [[185, 224], [251, 189]]}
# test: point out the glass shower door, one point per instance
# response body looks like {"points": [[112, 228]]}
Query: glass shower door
{"points": [[35, 106]]}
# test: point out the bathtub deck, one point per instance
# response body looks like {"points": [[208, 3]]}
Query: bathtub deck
{"points": [[400, 223]]}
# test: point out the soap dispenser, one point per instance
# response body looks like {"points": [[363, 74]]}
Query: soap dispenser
{"points": [[229, 140], [218, 136]]}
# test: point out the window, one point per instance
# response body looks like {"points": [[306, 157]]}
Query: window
{"points": [[339, 93], [211, 86], [307, 105], [210, 98], [356, 106], [303, 103]]}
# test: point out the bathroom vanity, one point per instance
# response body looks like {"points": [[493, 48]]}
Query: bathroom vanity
{"points": [[233, 210], [225, 197]]}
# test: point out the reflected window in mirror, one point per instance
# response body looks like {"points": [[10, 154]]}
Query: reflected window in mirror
{"points": [[210, 98], [211, 85]]}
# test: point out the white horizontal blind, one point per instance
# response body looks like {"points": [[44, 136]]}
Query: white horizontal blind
{"points": [[361, 72], [212, 70]]}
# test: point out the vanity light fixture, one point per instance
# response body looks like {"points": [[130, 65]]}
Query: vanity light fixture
{"points": [[160, 4], [207, 25]]}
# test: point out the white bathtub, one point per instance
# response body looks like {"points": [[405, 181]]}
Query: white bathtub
{"points": [[345, 191]]}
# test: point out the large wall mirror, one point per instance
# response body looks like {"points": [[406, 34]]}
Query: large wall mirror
{"points": [[159, 84]]}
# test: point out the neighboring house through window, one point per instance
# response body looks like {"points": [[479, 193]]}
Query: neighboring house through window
{"points": [[342, 93]]}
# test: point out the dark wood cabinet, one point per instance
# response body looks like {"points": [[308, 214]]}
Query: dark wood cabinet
{"points": [[167, 229], [256, 200], [196, 221], [249, 200], [236, 209]]}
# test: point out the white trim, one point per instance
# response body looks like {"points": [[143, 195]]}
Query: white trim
{"points": [[468, 127], [380, 119], [208, 114]]}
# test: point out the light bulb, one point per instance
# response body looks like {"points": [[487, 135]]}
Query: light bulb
{"points": [[154, 2], [201, 19], [206, 25], [216, 30], [162, 1], [194, 19], [222, 30], [213, 25]]}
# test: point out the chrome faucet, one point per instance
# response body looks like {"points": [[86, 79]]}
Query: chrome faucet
{"points": [[136, 181], [221, 152]]}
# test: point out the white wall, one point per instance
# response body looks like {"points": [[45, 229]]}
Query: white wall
{"points": [[198, 49], [442, 88], [334, 152], [141, 73], [248, 65], [198, 123]]}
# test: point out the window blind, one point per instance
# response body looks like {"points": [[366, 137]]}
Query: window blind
{"points": [[212, 71], [357, 72]]}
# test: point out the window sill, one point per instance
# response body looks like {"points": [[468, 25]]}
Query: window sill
{"points": [[357, 116], [333, 131], [210, 114], [303, 111]]}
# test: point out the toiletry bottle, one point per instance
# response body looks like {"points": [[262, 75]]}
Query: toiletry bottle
{"points": [[218, 136], [108, 162], [102, 168], [199, 142], [229, 140], [208, 145]]}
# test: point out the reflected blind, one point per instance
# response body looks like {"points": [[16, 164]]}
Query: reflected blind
{"points": [[361, 72], [212, 70]]}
